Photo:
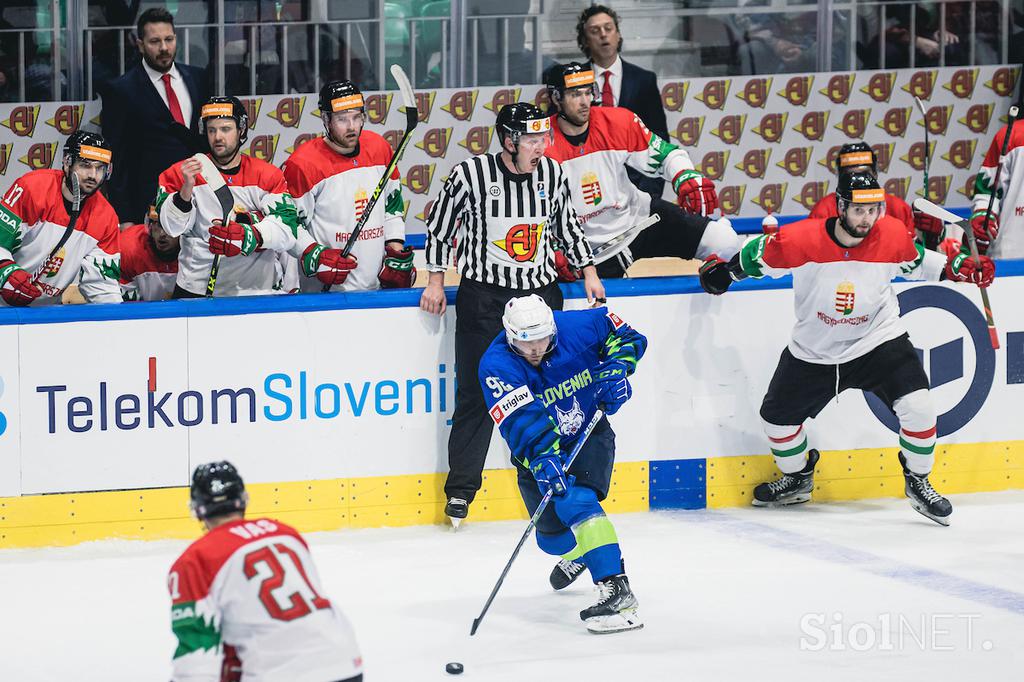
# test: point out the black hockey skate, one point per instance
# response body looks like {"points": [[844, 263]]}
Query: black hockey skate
{"points": [[924, 498], [565, 573], [615, 610], [790, 489], [456, 510]]}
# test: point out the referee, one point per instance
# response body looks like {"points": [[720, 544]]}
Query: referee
{"points": [[507, 214]]}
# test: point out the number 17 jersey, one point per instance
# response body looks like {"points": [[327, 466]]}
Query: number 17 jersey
{"points": [[247, 605]]}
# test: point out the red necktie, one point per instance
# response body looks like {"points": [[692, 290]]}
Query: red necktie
{"points": [[172, 99], [607, 100]]}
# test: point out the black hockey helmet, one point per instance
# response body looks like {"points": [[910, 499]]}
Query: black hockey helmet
{"points": [[217, 489], [859, 187], [518, 119], [225, 107], [340, 95], [562, 77], [83, 144], [855, 155]]}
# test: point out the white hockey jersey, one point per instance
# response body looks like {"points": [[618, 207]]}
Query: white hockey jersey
{"points": [[606, 201], [247, 595], [843, 297], [1009, 203], [145, 276], [331, 190], [33, 219], [259, 189]]}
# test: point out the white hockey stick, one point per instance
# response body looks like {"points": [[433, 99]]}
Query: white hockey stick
{"points": [[626, 236], [215, 180]]}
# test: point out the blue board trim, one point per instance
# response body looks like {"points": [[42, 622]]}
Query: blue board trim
{"points": [[678, 484]]}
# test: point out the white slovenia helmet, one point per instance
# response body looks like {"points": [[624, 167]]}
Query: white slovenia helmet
{"points": [[528, 318]]}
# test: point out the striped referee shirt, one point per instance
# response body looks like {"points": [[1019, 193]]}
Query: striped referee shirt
{"points": [[505, 226]]}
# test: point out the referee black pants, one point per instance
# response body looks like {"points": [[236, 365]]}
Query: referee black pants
{"points": [[478, 311], [678, 234]]}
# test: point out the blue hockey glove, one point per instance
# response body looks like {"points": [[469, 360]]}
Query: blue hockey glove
{"points": [[613, 387], [549, 475]]}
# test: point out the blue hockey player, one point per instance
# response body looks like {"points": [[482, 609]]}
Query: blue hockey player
{"points": [[543, 379]]}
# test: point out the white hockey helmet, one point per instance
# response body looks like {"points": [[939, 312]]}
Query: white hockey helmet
{"points": [[528, 318]]}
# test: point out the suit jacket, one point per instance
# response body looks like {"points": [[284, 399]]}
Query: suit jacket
{"points": [[144, 137], [640, 94]]}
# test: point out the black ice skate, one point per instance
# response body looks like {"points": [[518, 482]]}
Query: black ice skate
{"points": [[615, 610], [924, 498], [565, 573], [790, 489], [456, 510]]}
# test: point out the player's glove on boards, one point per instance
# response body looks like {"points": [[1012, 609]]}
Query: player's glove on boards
{"points": [[327, 265], [397, 270], [234, 239], [16, 285], [549, 474]]}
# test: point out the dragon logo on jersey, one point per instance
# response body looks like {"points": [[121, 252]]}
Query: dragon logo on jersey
{"points": [[40, 155], [730, 199], [418, 178], [1003, 81], [755, 92], [67, 118], [813, 125], [435, 142], [5, 156], [854, 123], [978, 117], [688, 130], [478, 139], [673, 95], [796, 160], [897, 187], [263, 147], [845, 297], [288, 112], [570, 421], [591, 189], [361, 199], [937, 119], [377, 107], [921, 84], [811, 194], [797, 90], [520, 242], [961, 153], [22, 120], [755, 162], [772, 127], [961, 84], [461, 104], [879, 87], [838, 88], [714, 164], [503, 97], [714, 94], [730, 128], [895, 121], [771, 197]]}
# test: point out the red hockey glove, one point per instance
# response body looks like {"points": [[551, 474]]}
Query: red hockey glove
{"points": [[695, 193], [984, 235], [929, 225], [566, 272], [327, 265], [962, 267], [397, 270], [16, 285], [234, 239]]}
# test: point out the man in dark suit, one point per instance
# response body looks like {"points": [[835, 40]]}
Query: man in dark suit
{"points": [[150, 116], [621, 84]]}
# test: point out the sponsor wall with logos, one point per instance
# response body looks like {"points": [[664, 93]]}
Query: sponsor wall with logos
{"points": [[352, 393], [769, 143]]}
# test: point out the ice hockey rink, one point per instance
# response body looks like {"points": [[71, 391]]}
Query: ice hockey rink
{"points": [[838, 591]]}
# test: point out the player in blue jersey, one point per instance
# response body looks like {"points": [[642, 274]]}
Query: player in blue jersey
{"points": [[542, 380]]}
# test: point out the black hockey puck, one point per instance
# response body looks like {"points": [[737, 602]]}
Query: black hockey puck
{"points": [[454, 668]]}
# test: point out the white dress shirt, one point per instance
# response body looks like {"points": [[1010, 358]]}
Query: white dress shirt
{"points": [[177, 84], [616, 78]]}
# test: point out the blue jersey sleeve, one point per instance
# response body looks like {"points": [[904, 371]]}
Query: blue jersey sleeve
{"points": [[520, 415], [621, 341]]}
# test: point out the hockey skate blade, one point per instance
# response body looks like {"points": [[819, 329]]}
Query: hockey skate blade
{"points": [[623, 621], [941, 520], [795, 499], [455, 522]]}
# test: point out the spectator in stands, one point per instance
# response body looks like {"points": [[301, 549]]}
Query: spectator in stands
{"points": [[150, 116], [149, 260], [928, 40], [621, 84]]}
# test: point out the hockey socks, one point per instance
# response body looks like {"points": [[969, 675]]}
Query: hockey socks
{"points": [[917, 430], [789, 446]]}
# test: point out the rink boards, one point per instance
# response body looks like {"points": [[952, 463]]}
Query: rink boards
{"points": [[336, 408]]}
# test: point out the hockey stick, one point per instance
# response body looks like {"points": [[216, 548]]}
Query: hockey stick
{"points": [[76, 208], [412, 118], [626, 236], [1013, 113], [945, 216], [535, 518], [927, 165], [220, 189]]}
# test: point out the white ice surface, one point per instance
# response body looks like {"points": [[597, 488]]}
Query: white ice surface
{"points": [[723, 594]]}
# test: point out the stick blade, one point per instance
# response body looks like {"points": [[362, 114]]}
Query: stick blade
{"points": [[209, 172], [476, 624], [934, 210], [404, 87]]}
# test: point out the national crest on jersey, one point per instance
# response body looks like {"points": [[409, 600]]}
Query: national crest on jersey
{"points": [[845, 298], [591, 189], [360, 201]]}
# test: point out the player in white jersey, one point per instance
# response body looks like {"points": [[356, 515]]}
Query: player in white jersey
{"points": [[1002, 235], [848, 333], [262, 224], [246, 599], [332, 178], [44, 245], [595, 146]]}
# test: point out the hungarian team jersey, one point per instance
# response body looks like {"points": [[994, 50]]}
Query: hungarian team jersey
{"points": [[33, 219], [542, 410], [259, 190], [145, 276], [894, 208], [1009, 202], [606, 201], [843, 297], [331, 191], [247, 595]]}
